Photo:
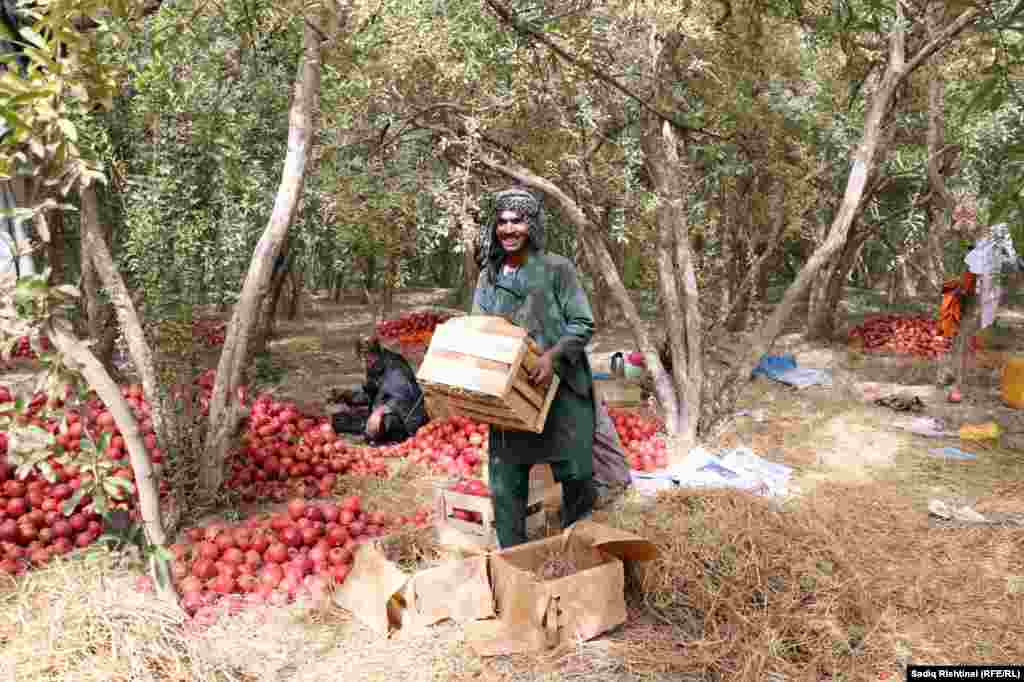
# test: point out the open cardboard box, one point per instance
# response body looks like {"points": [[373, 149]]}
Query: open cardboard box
{"points": [[503, 607]]}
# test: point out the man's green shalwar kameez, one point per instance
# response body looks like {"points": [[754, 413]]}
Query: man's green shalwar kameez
{"points": [[545, 297]]}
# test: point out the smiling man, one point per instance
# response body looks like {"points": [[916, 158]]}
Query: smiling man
{"points": [[540, 292]]}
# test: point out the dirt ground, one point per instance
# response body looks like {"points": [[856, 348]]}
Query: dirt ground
{"points": [[828, 435]]}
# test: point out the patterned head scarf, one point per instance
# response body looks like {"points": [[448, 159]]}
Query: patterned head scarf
{"points": [[529, 207]]}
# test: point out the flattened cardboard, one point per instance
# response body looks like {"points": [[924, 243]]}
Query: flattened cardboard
{"points": [[369, 588], [459, 590], [534, 615], [618, 543]]}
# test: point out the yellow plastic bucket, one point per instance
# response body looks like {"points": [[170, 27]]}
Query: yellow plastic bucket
{"points": [[1013, 383]]}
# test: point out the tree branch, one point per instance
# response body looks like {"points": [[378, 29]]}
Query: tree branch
{"points": [[79, 356], [506, 15], [940, 40]]}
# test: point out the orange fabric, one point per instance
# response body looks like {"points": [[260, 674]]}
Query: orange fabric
{"points": [[949, 314], [950, 309]]}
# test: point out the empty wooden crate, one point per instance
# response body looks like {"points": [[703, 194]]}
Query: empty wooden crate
{"points": [[477, 367]]}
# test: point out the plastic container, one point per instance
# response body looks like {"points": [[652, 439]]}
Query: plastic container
{"points": [[1012, 388]]}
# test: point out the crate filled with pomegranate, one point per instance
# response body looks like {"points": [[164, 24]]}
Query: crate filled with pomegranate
{"points": [[478, 367], [464, 511]]}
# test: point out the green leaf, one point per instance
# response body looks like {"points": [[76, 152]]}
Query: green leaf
{"points": [[47, 471], [104, 441], [122, 483], [116, 487], [72, 502], [163, 573], [33, 37], [99, 503], [163, 554], [68, 128]]}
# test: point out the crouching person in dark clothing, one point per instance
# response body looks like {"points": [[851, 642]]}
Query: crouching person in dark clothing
{"points": [[389, 407]]}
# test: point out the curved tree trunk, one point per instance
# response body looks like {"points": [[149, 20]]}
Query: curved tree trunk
{"points": [[94, 247], [78, 355], [821, 320], [233, 357]]}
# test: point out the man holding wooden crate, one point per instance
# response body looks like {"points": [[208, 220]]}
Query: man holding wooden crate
{"points": [[541, 293]]}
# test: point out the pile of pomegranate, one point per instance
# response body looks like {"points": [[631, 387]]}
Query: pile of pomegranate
{"points": [[645, 450], [412, 329], [285, 452], [297, 553], [23, 348], [456, 446], [919, 336], [35, 526]]}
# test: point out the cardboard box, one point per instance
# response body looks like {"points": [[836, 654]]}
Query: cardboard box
{"points": [[535, 614], [477, 367], [503, 607], [385, 598]]}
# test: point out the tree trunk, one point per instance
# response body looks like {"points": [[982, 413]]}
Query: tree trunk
{"points": [[268, 321], [56, 247], [865, 158], [296, 297], [740, 239], [94, 248], [470, 273], [822, 318], [78, 355], [942, 201], [337, 288], [670, 179], [19, 193], [243, 321], [755, 276]]}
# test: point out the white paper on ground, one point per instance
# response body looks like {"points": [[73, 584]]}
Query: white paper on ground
{"points": [[738, 468]]}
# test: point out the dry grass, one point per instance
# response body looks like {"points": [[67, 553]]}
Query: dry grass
{"points": [[81, 619], [849, 583]]}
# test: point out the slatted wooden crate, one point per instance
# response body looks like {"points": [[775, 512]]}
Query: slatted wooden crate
{"points": [[477, 367], [482, 535]]}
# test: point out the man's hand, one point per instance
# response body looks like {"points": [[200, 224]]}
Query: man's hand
{"points": [[373, 423], [544, 368]]}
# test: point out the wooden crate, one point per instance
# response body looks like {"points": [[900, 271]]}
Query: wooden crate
{"points": [[618, 392], [477, 367], [453, 531]]}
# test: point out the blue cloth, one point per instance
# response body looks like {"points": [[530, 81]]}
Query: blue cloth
{"points": [[773, 365], [782, 368], [952, 453]]}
